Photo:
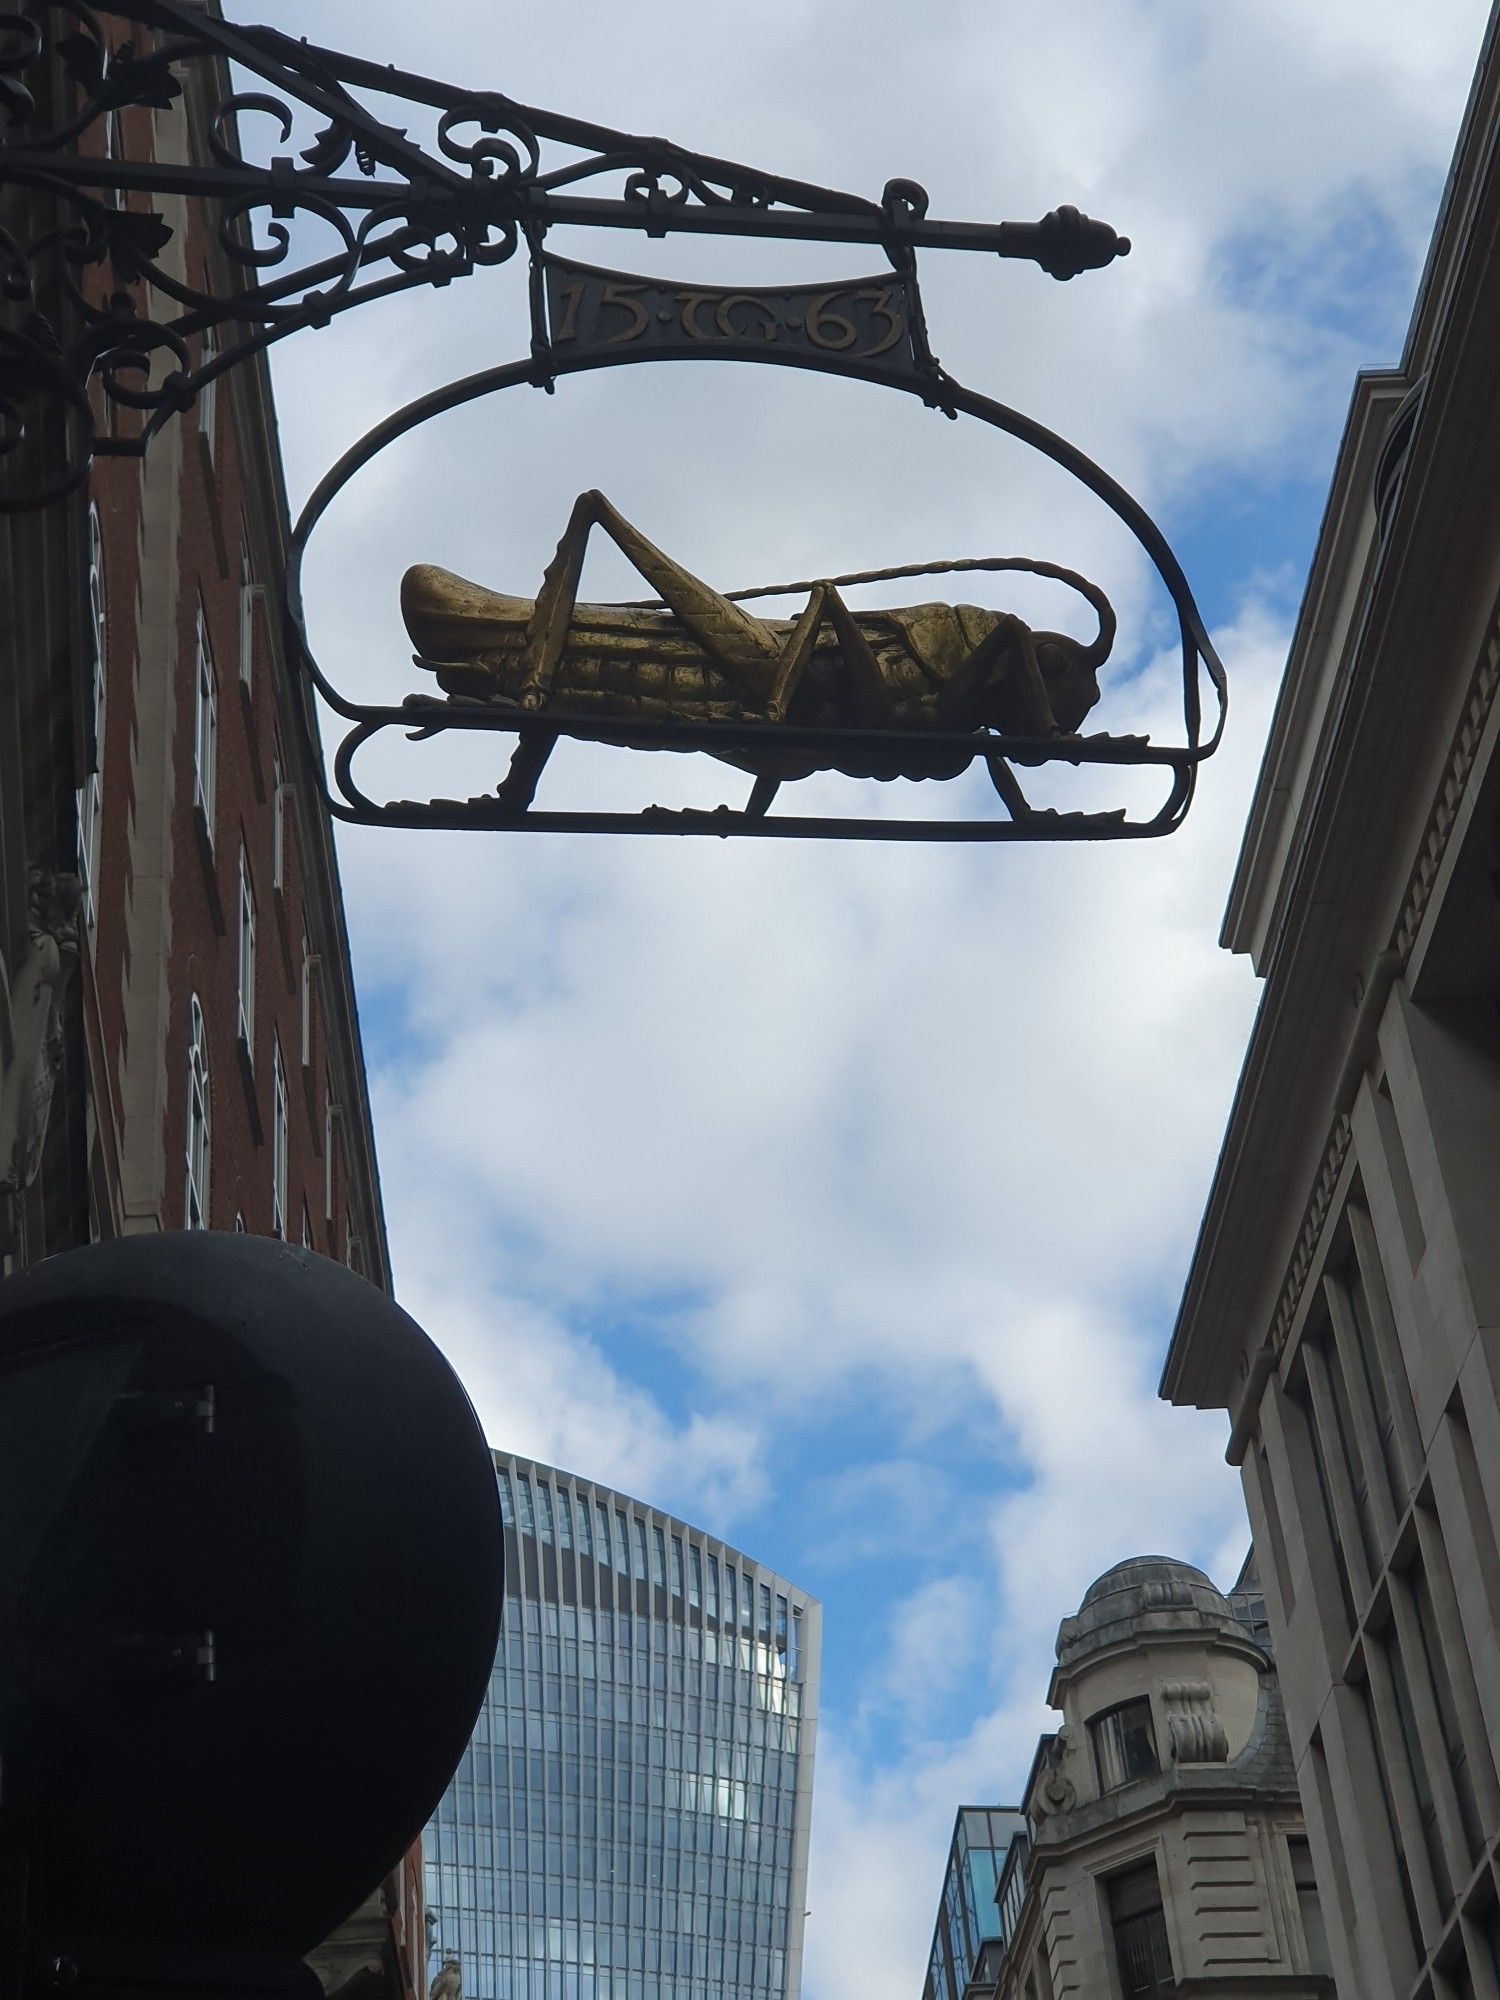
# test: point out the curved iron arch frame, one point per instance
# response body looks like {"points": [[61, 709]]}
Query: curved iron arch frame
{"points": [[423, 717], [418, 213]]}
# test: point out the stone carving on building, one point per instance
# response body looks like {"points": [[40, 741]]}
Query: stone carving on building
{"points": [[1055, 1791], [31, 1028], [448, 1983], [1195, 1735]]}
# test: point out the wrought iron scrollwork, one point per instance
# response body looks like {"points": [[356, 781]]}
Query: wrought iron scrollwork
{"points": [[93, 289]]}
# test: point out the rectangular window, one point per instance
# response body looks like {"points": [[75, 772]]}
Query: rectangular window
{"points": [[309, 968], [794, 1664], [622, 1543], [640, 1546], [764, 1629], [205, 729], [208, 393], [677, 1565], [246, 1019], [523, 1505], [585, 1537], [564, 1519], [695, 1576], [1417, 1770], [783, 1635], [1124, 1743], [1309, 1908], [731, 1615], [278, 825], [658, 1558], [90, 795], [601, 1540], [195, 1214], [1140, 1934], [278, 1144], [1440, 1683], [712, 1605], [507, 1509], [249, 591], [544, 1510]]}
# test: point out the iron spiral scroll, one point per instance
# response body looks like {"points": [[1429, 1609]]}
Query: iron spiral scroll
{"points": [[330, 180]]}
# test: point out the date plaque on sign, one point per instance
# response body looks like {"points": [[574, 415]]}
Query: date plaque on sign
{"points": [[869, 321]]}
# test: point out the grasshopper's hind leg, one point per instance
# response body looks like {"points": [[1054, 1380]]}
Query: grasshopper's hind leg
{"points": [[736, 642], [517, 788]]}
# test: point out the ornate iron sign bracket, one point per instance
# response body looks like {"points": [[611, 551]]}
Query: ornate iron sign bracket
{"points": [[371, 180], [414, 211]]}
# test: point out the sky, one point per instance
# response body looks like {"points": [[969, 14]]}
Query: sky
{"points": [[839, 1197]]}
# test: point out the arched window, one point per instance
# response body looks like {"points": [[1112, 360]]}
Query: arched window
{"points": [[91, 791], [196, 1205]]}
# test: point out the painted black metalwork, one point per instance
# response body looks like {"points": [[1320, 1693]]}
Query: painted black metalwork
{"points": [[126, 328], [412, 212], [424, 717]]}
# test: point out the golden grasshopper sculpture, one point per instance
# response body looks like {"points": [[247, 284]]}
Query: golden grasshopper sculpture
{"points": [[698, 657]]}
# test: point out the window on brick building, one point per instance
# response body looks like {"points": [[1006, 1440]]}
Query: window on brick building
{"points": [[307, 1235], [278, 1144], [205, 729], [278, 826], [309, 967], [246, 1021], [91, 791], [195, 1206], [208, 395], [248, 592]]}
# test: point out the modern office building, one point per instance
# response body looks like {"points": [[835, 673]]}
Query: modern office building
{"points": [[1164, 1855], [964, 1958], [630, 1821], [1343, 1304]]}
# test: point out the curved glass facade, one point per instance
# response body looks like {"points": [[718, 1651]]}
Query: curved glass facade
{"points": [[630, 1820]]}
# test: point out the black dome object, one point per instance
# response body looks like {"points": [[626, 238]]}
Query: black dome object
{"points": [[250, 1582]]}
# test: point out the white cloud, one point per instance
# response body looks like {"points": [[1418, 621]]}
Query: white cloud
{"points": [[921, 1134]]}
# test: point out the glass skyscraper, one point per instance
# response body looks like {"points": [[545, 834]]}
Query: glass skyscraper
{"points": [[630, 1820]]}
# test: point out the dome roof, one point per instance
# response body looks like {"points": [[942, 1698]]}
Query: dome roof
{"points": [[1145, 1594], [1161, 1580]]}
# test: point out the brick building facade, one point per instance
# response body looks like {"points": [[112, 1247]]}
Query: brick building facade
{"points": [[179, 1043]]}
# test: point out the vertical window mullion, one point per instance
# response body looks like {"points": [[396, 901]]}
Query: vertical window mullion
{"points": [[1450, 1638], [1430, 1734], [1336, 1470], [1408, 1831], [1367, 1439], [1386, 1337]]}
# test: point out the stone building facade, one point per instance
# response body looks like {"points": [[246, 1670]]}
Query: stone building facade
{"points": [[1166, 1854], [1343, 1304], [179, 1044]]}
